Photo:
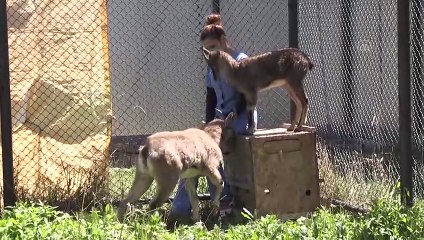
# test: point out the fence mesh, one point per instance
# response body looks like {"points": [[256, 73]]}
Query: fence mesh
{"points": [[60, 97], [257, 27], [164, 69], [90, 80], [417, 44], [157, 76], [353, 92]]}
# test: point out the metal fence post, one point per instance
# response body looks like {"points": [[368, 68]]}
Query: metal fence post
{"points": [[5, 108], [347, 65], [293, 10], [215, 6], [417, 56], [404, 83]]}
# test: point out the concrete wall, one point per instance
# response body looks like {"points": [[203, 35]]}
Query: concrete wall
{"points": [[157, 69], [158, 72], [256, 27]]}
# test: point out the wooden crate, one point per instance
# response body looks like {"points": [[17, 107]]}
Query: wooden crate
{"points": [[275, 172]]}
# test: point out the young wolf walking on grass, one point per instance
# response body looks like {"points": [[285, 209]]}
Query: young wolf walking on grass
{"points": [[168, 156]]}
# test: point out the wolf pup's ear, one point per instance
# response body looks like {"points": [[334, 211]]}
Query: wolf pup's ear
{"points": [[206, 53]]}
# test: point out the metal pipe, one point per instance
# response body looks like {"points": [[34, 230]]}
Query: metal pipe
{"points": [[215, 6], [404, 84], [5, 112], [347, 66], [293, 12]]}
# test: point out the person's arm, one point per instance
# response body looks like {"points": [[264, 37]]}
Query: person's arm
{"points": [[210, 98], [241, 103], [242, 100], [210, 104]]}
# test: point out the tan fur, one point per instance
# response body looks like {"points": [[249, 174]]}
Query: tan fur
{"points": [[168, 156], [284, 68]]}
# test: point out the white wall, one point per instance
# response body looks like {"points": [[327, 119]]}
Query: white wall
{"points": [[256, 27], [156, 64]]}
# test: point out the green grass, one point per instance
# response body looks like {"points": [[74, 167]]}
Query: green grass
{"points": [[359, 184], [386, 220]]}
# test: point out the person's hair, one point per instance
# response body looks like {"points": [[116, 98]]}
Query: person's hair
{"points": [[213, 27]]}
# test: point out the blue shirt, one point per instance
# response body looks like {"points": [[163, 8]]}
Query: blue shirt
{"points": [[227, 98]]}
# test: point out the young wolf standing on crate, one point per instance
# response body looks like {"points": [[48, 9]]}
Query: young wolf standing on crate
{"points": [[221, 99]]}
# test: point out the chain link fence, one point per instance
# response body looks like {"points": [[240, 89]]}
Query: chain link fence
{"points": [[157, 76], [60, 99], [256, 27], [165, 72], [417, 88], [353, 93], [354, 96], [90, 80]]}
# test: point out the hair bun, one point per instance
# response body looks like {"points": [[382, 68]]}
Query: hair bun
{"points": [[214, 19]]}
